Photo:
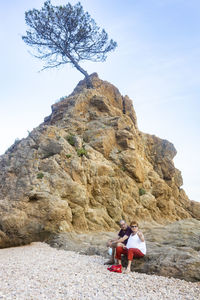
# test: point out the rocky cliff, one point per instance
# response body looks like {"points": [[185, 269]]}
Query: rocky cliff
{"points": [[85, 168]]}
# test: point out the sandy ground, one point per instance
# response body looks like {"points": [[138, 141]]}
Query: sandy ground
{"points": [[38, 271]]}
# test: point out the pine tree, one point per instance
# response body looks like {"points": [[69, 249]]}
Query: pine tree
{"points": [[66, 34]]}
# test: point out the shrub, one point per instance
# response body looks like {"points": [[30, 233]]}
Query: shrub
{"points": [[68, 155], [142, 191], [40, 175], [62, 98], [81, 152], [70, 139], [17, 140]]}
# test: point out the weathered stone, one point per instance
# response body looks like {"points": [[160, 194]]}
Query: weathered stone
{"points": [[83, 170]]}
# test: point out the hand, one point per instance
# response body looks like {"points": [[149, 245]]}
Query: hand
{"points": [[141, 236], [109, 243]]}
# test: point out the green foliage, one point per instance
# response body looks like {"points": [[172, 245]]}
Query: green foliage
{"points": [[40, 175], [142, 191], [68, 155], [70, 139], [66, 34], [62, 98], [17, 140], [81, 152]]}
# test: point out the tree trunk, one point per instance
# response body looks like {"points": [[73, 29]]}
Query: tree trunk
{"points": [[76, 65]]}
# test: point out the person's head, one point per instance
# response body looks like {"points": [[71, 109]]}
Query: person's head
{"points": [[123, 224], [134, 226]]}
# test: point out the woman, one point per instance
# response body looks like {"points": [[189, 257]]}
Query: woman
{"points": [[135, 247]]}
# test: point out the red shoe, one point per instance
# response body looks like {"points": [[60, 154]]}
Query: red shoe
{"points": [[115, 268], [112, 268], [118, 269]]}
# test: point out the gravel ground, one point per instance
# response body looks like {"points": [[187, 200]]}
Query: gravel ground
{"points": [[38, 271]]}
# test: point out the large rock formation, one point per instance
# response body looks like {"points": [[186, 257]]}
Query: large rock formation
{"points": [[85, 168]]}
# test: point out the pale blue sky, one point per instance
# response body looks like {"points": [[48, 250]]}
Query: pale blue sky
{"points": [[157, 64]]}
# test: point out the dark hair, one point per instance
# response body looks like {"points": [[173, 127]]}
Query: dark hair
{"points": [[134, 223]]}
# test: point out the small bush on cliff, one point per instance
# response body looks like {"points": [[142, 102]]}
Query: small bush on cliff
{"points": [[142, 191], [81, 152], [70, 139], [40, 175], [62, 98]]}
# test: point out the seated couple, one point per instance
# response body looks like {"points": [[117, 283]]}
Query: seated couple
{"points": [[130, 241]]}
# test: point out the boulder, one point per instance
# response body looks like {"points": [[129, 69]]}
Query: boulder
{"points": [[86, 167]]}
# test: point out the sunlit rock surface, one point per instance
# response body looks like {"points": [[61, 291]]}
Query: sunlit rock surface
{"points": [[85, 168]]}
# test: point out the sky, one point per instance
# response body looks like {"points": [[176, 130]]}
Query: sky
{"points": [[156, 63]]}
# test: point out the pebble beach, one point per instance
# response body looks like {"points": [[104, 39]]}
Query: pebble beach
{"points": [[37, 271]]}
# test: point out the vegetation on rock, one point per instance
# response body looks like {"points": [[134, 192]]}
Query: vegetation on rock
{"points": [[40, 175], [142, 191], [81, 152], [70, 139]]}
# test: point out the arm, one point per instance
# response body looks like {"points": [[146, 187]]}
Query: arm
{"points": [[118, 240], [110, 242], [122, 239], [141, 236]]}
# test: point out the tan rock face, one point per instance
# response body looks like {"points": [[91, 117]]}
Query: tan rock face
{"points": [[85, 168]]}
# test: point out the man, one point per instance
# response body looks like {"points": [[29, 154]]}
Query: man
{"points": [[121, 240]]}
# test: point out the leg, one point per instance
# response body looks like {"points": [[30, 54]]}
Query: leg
{"points": [[111, 261], [133, 252], [128, 269], [113, 253], [119, 251], [130, 258]]}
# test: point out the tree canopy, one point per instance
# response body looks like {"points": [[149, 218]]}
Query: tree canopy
{"points": [[66, 34]]}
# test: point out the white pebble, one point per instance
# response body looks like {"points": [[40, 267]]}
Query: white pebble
{"points": [[38, 271]]}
